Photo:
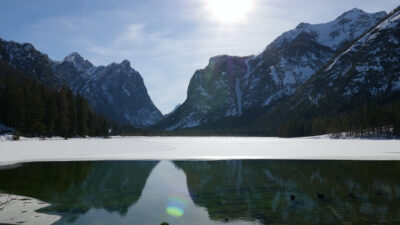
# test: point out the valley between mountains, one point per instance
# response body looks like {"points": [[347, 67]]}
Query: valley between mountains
{"points": [[340, 76]]}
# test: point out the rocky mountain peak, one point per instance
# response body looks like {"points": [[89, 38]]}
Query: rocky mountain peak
{"points": [[302, 25], [74, 56], [336, 33], [359, 16], [218, 59], [351, 14], [116, 91], [78, 61], [126, 63]]}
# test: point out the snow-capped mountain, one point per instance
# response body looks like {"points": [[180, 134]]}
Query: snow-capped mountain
{"points": [[231, 86], [369, 67], [355, 89], [117, 91], [344, 29]]}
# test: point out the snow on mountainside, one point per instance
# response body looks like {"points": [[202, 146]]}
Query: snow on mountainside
{"points": [[79, 63], [230, 86], [117, 91], [371, 65], [334, 34], [362, 79]]}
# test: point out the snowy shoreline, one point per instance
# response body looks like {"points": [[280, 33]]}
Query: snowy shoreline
{"points": [[196, 148], [22, 210]]}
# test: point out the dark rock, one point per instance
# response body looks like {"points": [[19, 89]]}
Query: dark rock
{"points": [[116, 91], [231, 86]]}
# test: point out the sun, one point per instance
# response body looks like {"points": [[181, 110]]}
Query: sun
{"points": [[229, 11]]}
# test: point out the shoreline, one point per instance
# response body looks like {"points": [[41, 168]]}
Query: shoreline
{"points": [[17, 209], [197, 148]]}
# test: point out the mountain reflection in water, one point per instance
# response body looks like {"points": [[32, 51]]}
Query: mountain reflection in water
{"points": [[212, 192]]}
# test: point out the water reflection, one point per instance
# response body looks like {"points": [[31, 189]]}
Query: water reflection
{"points": [[74, 188], [212, 192], [297, 192], [165, 187]]}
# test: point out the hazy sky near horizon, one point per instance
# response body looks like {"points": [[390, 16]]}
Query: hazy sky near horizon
{"points": [[165, 40]]}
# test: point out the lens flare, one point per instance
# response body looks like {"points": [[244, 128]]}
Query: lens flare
{"points": [[174, 211], [176, 205]]}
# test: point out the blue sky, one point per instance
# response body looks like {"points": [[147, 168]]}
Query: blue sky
{"points": [[165, 40]]}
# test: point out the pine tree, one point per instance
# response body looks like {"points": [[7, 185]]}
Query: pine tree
{"points": [[71, 112], [91, 123], [35, 110], [82, 116], [104, 128], [62, 122], [51, 112], [14, 108]]}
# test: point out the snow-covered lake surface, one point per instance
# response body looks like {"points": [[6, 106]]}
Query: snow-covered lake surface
{"points": [[196, 148]]}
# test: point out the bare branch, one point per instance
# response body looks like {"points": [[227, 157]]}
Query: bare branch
{"points": [[8, 200]]}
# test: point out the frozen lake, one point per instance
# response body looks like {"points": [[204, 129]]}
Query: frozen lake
{"points": [[196, 148], [200, 180]]}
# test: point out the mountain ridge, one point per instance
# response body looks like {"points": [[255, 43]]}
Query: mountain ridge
{"points": [[359, 88], [116, 90], [251, 83]]}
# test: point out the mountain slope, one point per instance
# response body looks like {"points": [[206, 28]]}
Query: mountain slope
{"points": [[364, 75], [27, 59], [233, 86], [116, 90], [32, 109], [370, 65]]}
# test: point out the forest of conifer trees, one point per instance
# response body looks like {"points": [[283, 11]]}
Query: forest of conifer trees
{"points": [[375, 120], [35, 110]]}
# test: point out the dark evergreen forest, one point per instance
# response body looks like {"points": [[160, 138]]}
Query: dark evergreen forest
{"points": [[35, 110]]}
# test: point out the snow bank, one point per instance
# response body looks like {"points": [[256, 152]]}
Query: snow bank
{"points": [[21, 210], [196, 148]]}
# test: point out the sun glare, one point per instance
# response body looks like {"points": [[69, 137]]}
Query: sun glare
{"points": [[229, 11]]}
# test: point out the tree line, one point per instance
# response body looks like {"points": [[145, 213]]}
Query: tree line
{"points": [[368, 120], [35, 110]]}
